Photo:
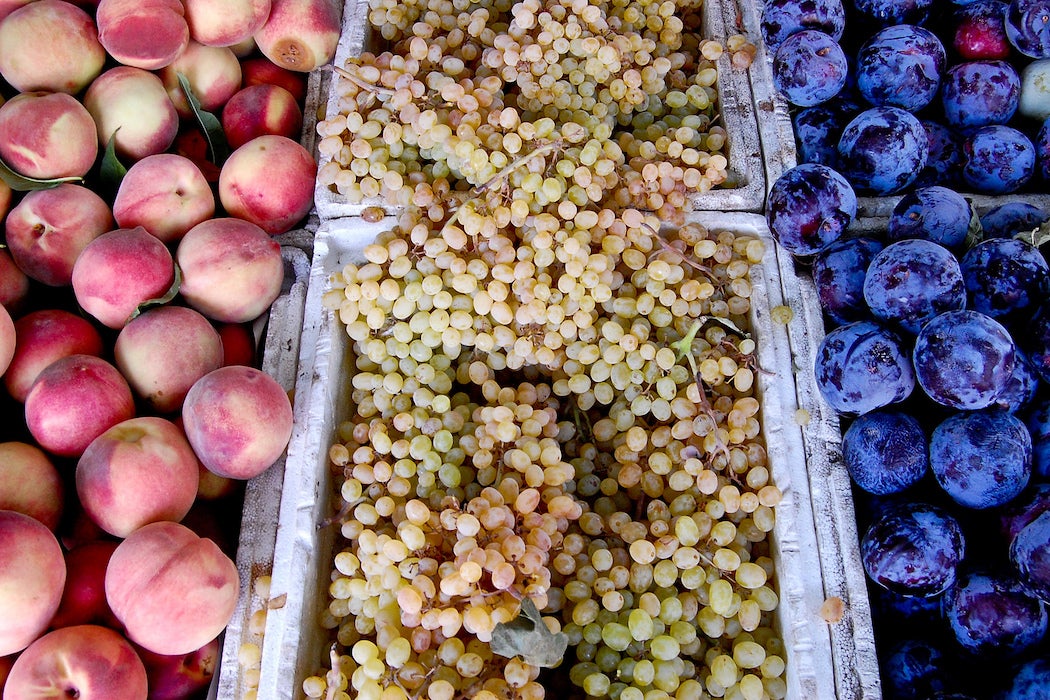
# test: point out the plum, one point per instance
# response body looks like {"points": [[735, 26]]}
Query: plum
{"points": [[914, 668], [1021, 387], [782, 19], [1034, 339], [1027, 25], [913, 548], [885, 451], [1004, 275], [945, 157], [1042, 149], [979, 31], [838, 273], [862, 366], [911, 281], [979, 93], [901, 66], [809, 67], [1026, 507], [883, 150], [992, 615], [809, 207], [963, 359], [982, 459], [889, 12], [998, 159], [818, 128], [1030, 681], [1010, 218], [1030, 555], [935, 213]]}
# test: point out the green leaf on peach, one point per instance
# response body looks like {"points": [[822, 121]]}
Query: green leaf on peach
{"points": [[112, 171], [161, 300], [21, 183], [209, 124]]}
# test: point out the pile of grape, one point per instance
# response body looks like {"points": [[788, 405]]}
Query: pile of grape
{"points": [[553, 476]]}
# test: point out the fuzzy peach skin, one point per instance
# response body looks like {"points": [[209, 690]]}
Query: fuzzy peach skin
{"points": [[47, 135], [259, 70], [131, 105], [172, 590], [238, 420], [30, 484], [181, 676], [225, 22], [73, 401], [41, 338], [164, 193], [9, 6], [7, 339], [301, 35], [14, 284], [49, 228], [32, 575], [86, 662], [147, 34], [163, 385], [249, 189], [141, 262], [232, 270], [259, 110], [213, 72], [140, 471], [70, 58], [84, 597]]}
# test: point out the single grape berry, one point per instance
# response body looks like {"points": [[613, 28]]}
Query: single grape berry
{"points": [[915, 668], [1030, 682], [1010, 218], [913, 548]]}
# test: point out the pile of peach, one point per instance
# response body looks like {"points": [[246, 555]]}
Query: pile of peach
{"points": [[148, 156]]}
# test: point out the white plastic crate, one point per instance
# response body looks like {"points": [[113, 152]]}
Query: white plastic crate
{"points": [[814, 542]]}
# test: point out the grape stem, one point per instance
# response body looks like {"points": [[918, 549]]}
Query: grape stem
{"points": [[370, 87]]}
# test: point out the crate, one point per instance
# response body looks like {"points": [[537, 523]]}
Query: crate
{"points": [[737, 115], [815, 544]]}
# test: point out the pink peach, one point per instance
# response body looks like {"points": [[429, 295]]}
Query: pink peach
{"points": [[73, 401], [48, 230], [213, 72], [68, 61], [87, 662], [232, 270], [301, 35], [225, 22], [173, 591], [131, 106], [259, 110], [14, 284], [32, 574], [275, 204], [9, 6], [147, 34], [181, 676], [238, 344], [84, 597], [141, 262], [7, 339], [140, 471], [238, 420], [47, 135], [30, 483], [45, 336], [260, 70], [164, 193]]}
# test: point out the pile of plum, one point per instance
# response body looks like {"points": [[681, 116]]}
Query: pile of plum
{"points": [[898, 94], [937, 351]]}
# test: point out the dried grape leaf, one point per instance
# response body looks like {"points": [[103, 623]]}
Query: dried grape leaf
{"points": [[529, 637]]}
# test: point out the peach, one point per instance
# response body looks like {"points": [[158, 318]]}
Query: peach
{"points": [[167, 194], [213, 72], [232, 270], [300, 35], [32, 574], [259, 110], [173, 591], [212, 487], [45, 336], [239, 421], [68, 61], [183, 675], [131, 105], [6, 662], [84, 597], [47, 135], [260, 70], [247, 191], [147, 34], [9, 6], [73, 401], [48, 229], [225, 22], [151, 335], [7, 339], [6, 195], [30, 484], [140, 471], [190, 144], [88, 662], [238, 344], [14, 284], [244, 48], [142, 264]]}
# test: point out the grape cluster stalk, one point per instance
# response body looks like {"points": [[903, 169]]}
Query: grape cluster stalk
{"points": [[553, 389]]}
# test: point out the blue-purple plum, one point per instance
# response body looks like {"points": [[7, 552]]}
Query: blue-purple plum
{"points": [[1030, 555], [1029, 505], [1037, 418], [982, 459], [809, 67], [963, 359], [901, 66], [979, 93], [912, 280], [1034, 339], [914, 668], [883, 150], [1031, 681], [885, 451], [863, 366], [935, 213], [1010, 218], [1027, 26], [979, 32], [945, 157], [997, 159], [1022, 386], [1004, 276], [783, 18], [809, 207], [1042, 149], [818, 128], [992, 615], [913, 548], [888, 12], [838, 274]]}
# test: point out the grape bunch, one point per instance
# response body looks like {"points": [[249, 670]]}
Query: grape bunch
{"points": [[562, 413]]}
